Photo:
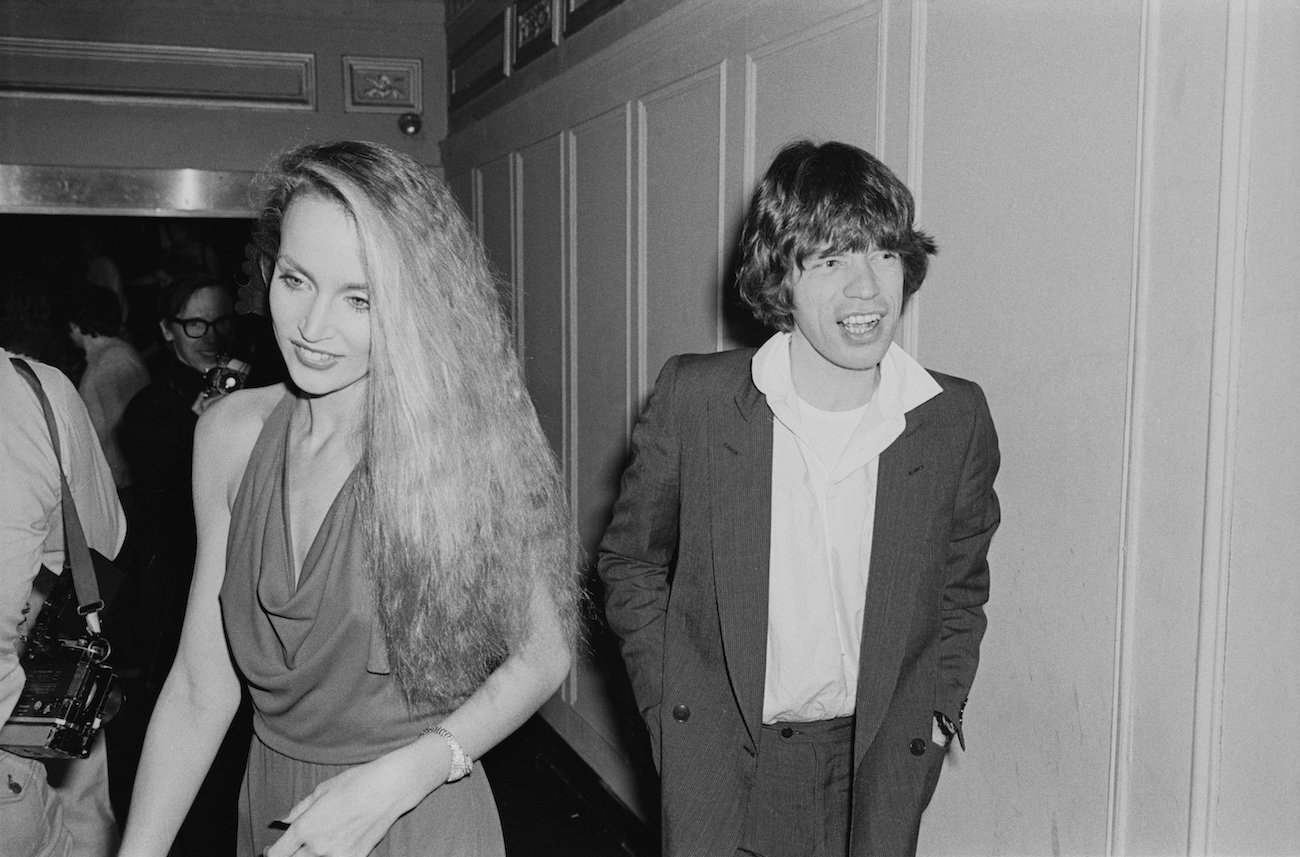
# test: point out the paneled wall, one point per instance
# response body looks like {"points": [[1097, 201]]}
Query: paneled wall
{"points": [[1113, 187]]}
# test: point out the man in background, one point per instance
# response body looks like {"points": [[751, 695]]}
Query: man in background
{"points": [[114, 371], [796, 565]]}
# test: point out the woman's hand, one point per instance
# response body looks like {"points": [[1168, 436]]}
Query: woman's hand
{"points": [[348, 814]]}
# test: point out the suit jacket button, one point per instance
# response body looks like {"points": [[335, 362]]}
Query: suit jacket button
{"points": [[918, 746], [681, 713]]}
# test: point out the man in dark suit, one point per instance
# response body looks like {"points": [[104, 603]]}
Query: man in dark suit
{"points": [[796, 567]]}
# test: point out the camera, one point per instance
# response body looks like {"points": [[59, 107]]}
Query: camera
{"points": [[226, 377], [70, 692]]}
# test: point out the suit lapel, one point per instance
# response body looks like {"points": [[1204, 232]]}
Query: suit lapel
{"points": [[740, 459], [890, 587]]}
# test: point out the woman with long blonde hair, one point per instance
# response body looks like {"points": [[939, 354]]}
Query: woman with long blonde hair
{"points": [[385, 557]]}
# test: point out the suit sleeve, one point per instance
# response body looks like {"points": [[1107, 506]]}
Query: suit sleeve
{"points": [[640, 546], [976, 515]]}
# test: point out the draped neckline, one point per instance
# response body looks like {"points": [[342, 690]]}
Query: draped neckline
{"points": [[297, 577]]}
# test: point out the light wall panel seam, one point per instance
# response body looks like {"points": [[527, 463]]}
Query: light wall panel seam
{"points": [[720, 287], [642, 298], [1121, 750], [476, 200], [748, 167], [569, 265], [631, 315], [515, 173], [1224, 366], [569, 366], [882, 77], [911, 332]]}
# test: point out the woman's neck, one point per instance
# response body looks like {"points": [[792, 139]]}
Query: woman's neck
{"points": [[324, 419]]}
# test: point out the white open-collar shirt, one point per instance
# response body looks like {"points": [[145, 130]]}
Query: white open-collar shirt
{"points": [[824, 468]]}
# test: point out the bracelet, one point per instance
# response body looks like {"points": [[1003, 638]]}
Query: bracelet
{"points": [[461, 763]]}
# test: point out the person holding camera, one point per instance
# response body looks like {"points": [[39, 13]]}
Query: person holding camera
{"points": [[64, 811], [197, 323], [196, 318], [386, 557]]}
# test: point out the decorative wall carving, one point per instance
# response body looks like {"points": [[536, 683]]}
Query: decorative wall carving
{"points": [[381, 85], [527, 29], [534, 30]]}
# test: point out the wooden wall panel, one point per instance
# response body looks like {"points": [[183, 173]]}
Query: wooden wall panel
{"points": [[1112, 186], [841, 56], [1165, 508], [1253, 787], [680, 230], [462, 187], [604, 397], [1030, 146], [495, 199], [604, 314], [540, 285]]}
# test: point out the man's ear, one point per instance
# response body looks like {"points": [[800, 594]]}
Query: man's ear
{"points": [[167, 334]]}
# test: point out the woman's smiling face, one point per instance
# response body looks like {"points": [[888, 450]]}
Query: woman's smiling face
{"points": [[320, 299]]}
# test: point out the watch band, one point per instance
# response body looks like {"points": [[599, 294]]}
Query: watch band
{"points": [[461, 763]]}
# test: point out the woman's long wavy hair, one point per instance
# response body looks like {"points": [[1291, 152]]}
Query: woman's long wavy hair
{"points": [[462, 508], [818, 198]]}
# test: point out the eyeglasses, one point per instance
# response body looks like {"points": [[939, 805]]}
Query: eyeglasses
{"points": [[197, 328]]}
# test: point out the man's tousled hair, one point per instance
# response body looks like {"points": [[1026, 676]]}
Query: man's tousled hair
{"points": [[820, 198]]}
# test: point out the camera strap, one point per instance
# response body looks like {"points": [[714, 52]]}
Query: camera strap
{"points": [[84, 584]]}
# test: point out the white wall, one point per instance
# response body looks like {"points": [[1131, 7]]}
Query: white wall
{"points": [[1113, 187]]}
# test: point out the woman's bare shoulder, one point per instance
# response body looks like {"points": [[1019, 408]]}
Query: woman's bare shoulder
{"points": [[229, 428]]}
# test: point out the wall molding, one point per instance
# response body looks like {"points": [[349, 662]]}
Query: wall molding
{"points": [[1229, 293], [720, 274], [715, 74], [1118, 798], [911, 332], [166, 75]]}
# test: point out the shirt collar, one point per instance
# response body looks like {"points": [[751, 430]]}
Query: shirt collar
{"points": [[904, 383]]}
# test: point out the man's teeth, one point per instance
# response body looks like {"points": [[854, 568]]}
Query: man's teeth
{"points": [[860, 322]]}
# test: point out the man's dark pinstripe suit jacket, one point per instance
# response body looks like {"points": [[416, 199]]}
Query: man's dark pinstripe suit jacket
{"points": [[685, 567]]}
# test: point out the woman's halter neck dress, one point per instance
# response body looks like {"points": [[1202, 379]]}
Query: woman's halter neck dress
{"points": [[316, 666]]}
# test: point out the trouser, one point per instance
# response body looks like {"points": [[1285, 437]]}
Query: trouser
{"points": [[82, 787], [801, 801], [31, 814]]}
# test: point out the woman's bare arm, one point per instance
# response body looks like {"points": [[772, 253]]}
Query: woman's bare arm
{"points": [[348, 815], [201, 693]]}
